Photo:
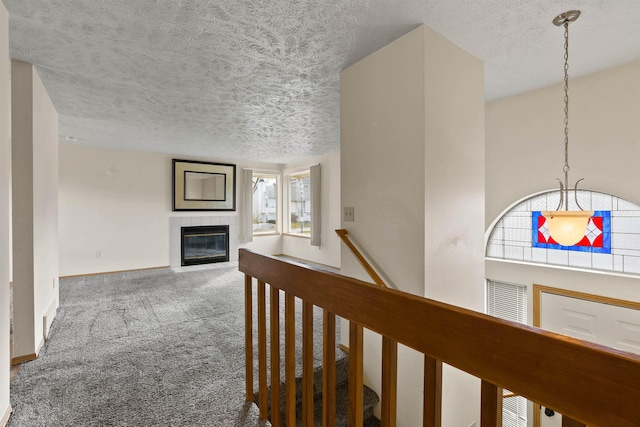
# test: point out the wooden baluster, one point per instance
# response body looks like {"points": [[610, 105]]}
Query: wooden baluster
{"points": [[356, 404], [307, 363], [329, 370], [432, 405], [275, 355], [389, 381], [290, 359], [537, 408], [248, 337], [262, 351], [490, 405]]}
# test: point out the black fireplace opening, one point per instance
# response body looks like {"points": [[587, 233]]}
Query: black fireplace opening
{"points": [[205, 244]]}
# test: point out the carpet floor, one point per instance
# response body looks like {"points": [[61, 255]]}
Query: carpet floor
{"points": [[146, 348]]}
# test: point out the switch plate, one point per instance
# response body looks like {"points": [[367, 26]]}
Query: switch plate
{"points": [[349, 214]]}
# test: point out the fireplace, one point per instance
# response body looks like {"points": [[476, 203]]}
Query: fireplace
{"points": [[205, 244]]}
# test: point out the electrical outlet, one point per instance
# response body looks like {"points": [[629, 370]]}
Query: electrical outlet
{"points": [[349, 214], [96, 254]]}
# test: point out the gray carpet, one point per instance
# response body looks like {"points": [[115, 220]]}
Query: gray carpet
{"points": [[148, 348]]}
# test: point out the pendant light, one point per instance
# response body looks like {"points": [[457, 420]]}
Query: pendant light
{"points": [[567, 227]]}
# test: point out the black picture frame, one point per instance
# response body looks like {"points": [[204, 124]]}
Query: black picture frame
{"points": [[203, 186]]}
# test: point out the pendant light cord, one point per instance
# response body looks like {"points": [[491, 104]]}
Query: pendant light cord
{"points": [[566, 99]]}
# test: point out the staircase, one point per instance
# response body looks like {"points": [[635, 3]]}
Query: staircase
{"points": [[342, 396]]}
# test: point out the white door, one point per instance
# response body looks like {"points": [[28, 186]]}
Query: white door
{"points": [[601, 323]]}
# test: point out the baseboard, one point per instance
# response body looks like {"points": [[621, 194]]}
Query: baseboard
{"points": [[27, 357], [21, 359], [343, 348], [113, 272], [5, 418]]}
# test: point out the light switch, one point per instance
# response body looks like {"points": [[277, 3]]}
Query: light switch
{"points": [[349, 214]]}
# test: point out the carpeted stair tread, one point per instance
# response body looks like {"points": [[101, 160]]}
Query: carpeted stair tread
{"points": [[371, 422], [370, 398]]}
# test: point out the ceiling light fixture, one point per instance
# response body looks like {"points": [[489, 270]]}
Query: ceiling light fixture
{"points": [[567, 227]]}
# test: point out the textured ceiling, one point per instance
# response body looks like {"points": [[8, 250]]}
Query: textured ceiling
{"points": [[259, 79]]}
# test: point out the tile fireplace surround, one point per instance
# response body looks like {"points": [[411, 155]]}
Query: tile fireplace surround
{"points": [[177, 222]]}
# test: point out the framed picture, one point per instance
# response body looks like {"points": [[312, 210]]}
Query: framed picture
{"points": [[203, 186]]}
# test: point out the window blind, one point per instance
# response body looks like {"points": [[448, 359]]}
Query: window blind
{"points": [[508, 301]]}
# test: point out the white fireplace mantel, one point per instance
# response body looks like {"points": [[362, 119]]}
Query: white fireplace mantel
{"points": [[177, 222]]}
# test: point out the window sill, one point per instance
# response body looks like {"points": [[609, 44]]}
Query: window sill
{"points": [[273, 233], [303, 236]]}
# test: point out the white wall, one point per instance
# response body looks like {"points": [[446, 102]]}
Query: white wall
{"points": [[5, 213], [382, 162], [525, 139], [35, 208], [412, 128], [454, 200], [328, 252], [114, 208], [525, 146], [118, 203], [382, 168], [45, 207]]}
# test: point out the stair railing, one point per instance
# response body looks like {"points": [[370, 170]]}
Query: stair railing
{"points": [[592, 384], [344, 236]]}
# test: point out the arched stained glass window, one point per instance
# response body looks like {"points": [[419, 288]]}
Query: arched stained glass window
{"points": [[611, 243]]}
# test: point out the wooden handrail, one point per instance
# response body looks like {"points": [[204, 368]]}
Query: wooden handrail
{"points": [[593, 384], [361, 259]]}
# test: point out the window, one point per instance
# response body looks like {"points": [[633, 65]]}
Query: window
{"points": [[303, 204], [265, 203], [300, 203], [521, 234]]}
